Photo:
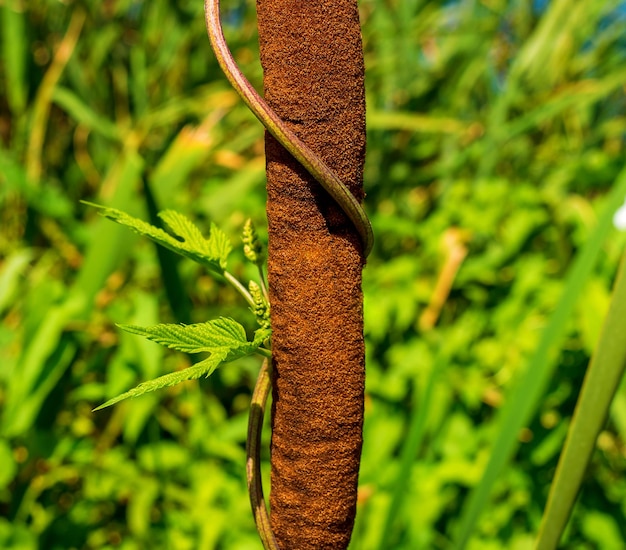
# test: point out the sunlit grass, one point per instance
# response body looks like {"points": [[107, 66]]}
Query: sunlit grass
{"points": [[495, 122]]}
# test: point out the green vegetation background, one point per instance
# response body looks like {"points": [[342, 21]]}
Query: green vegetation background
{"points": [[495, 131]]}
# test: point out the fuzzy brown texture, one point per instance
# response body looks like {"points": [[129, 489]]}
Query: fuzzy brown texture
{"points": [[313, 78]]}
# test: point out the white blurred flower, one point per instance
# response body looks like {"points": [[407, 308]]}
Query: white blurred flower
{"points": [[619, 219]]}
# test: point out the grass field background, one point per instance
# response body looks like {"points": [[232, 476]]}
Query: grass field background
{"points": [[496, 147]]}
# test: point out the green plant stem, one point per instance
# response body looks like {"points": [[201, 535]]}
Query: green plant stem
{"points": [[239, 287], [253, 455], [325, 176], [263, 283], [601, 382]]}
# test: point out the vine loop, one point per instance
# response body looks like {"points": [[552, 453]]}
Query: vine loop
{"points": [[325, 175], [253, 456], [329, 180]]}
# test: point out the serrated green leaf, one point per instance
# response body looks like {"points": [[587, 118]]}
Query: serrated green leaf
{"points": [[217, 246], [223, 338], [204, 368], [184, 228], [222, 333], [188, 240]]}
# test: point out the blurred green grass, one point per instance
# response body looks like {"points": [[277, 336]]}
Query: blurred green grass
{"points": [[495, 132]]}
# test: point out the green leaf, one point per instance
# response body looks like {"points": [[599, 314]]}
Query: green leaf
{"points": [[212, 336], [187, 241], [204, 368], [217, 246], [223, 338]]}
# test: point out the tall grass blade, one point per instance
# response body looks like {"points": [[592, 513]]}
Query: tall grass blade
{"points": [[524, 397], [43, 101], [83, 114], [601, 382], [415, 437], [14, 52]]}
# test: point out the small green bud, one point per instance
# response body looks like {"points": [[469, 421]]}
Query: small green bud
{"points": [[252, 248], [261, 308]]}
